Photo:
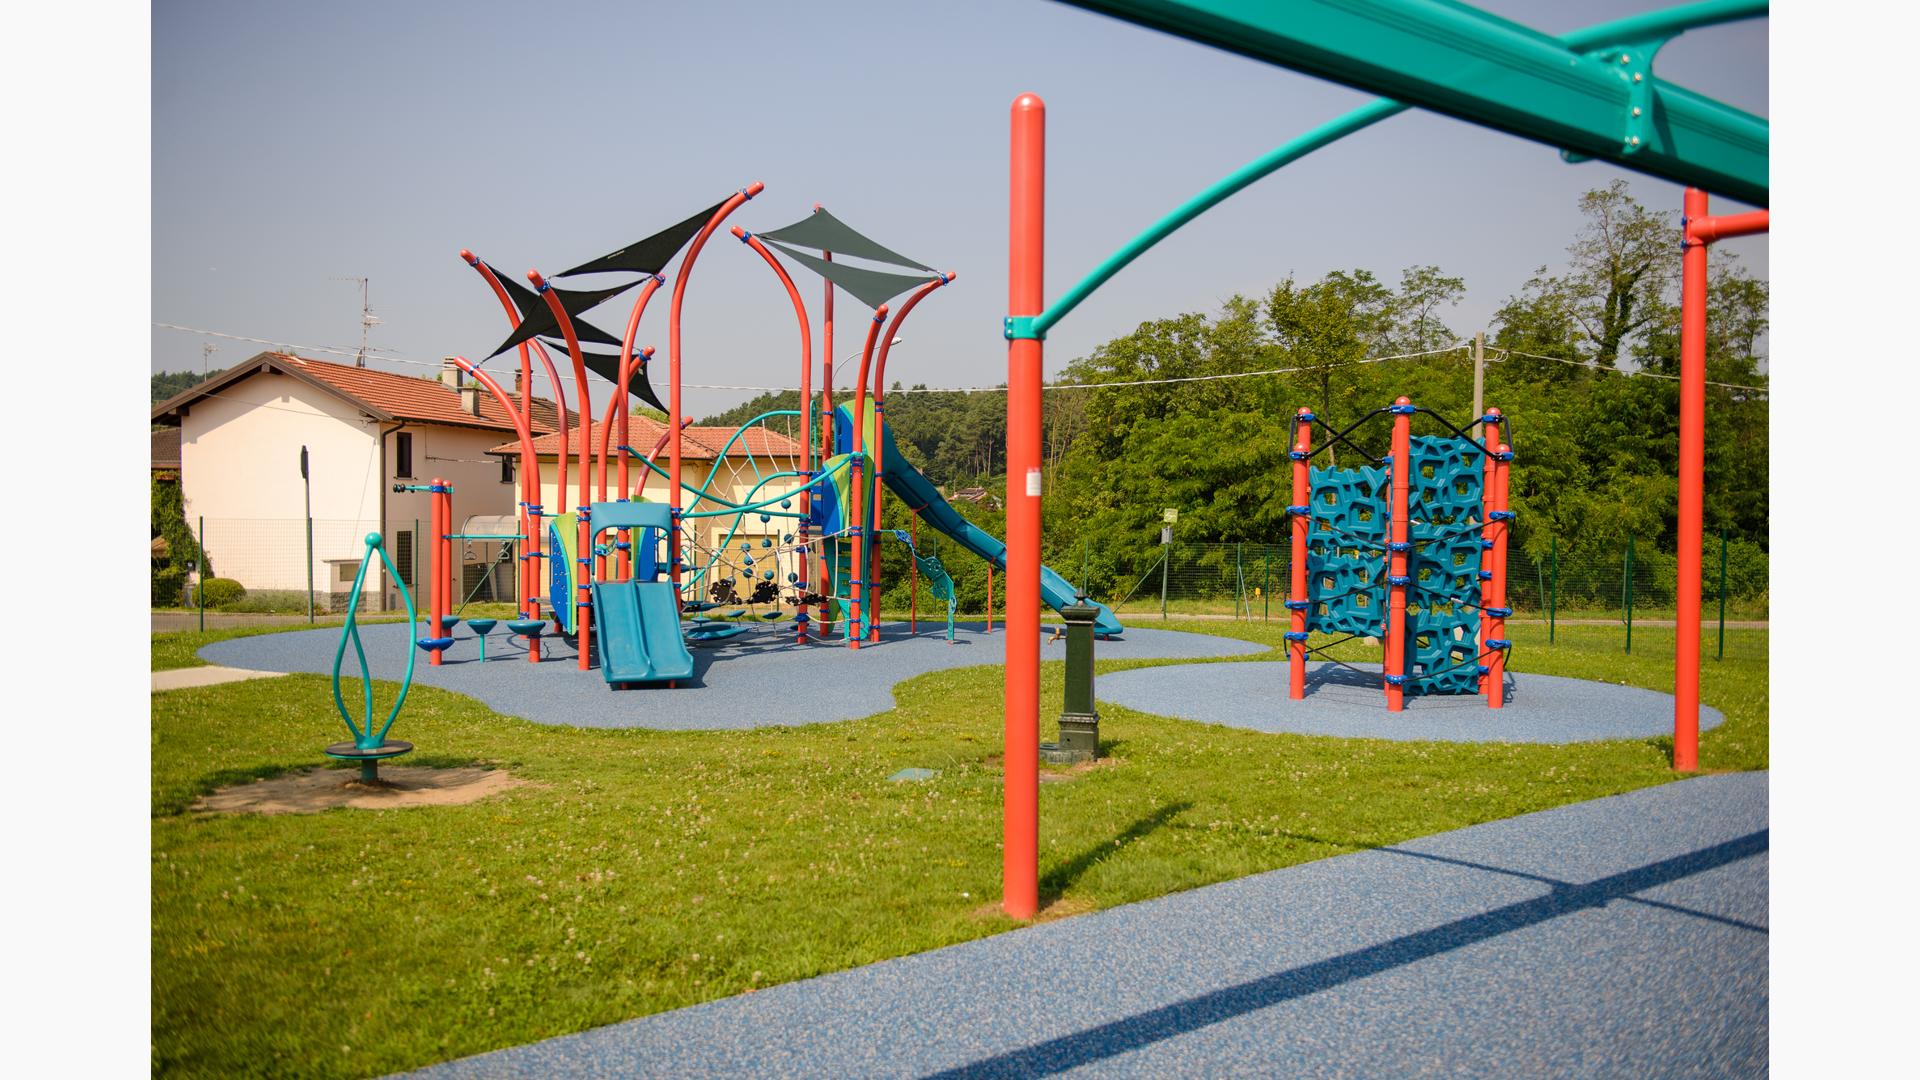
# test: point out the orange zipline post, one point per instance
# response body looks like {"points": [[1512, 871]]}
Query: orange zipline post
{"points": [[1496, 511], [1026, 297], [1699, 229]]}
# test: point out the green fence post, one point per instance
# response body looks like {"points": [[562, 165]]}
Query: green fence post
{"points": [[1266, 588], [1553, 587], [1720, 651], [1626, 589]]}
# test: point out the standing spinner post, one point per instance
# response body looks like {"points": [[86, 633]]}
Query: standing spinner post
{"points": [[1497, 625]]}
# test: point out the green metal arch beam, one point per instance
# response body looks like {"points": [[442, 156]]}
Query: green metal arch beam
{"points": [[1576, 93], [1654, 26]]}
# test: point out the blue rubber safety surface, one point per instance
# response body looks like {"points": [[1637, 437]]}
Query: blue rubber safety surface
{"points": [[759, 679], [1621, 937], [1538, 709]]}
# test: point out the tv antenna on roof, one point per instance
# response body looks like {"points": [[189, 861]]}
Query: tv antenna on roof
{"points": [[368, 320]]}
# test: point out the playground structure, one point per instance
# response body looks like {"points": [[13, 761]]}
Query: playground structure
{"points": [[1408, 553], [1591, 94], [823, 557], [370, 747]]}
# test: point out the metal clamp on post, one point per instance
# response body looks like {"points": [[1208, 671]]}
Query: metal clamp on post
{"points": [[1397, 680], [1399, 545], [1299, 455], [1299, 605], [1299, 509], [1296, 635], [1499, 643], [1501, 515], [1399, 579], [1403, 410], [1499, 612], [1023, 328]]}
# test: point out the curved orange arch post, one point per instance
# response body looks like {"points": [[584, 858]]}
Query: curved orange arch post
{"points": [[880, 449], [582, 607], [530, 505], [806, 419], [674, 422], [857, 566], [529, 478]]}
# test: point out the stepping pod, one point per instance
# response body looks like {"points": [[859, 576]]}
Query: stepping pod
{"points": [[367, 746], [481, 628]]}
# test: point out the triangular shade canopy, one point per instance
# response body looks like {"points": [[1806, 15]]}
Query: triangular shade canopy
{"points": [[649, 256], [536, 319], [828, 233], [870, 287], [607, 366]]}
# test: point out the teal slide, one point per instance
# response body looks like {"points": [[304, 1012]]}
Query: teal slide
{"points": [[637, 629], [924, 499]]}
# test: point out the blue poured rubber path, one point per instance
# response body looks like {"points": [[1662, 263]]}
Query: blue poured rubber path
{"points": [[1538, 709], [759, 679], [1625, 936]]}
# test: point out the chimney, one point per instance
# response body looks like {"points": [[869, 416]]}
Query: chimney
{"points": [[518, 390], [450, 373], [470, 400]]}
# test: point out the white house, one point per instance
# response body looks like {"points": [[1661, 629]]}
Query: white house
{"points": [[363, 430]]}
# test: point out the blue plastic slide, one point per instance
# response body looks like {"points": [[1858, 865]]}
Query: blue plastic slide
{"points": [[924, 499], [636, 626]]}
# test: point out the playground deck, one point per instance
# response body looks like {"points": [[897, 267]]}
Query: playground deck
{"points": [[1625, 936]]}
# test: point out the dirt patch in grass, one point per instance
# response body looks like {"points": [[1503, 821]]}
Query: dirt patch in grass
{"points": [[310, 791], [1066, 907]]}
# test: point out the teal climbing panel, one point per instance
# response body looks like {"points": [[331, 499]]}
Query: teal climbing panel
{"points": [[1347, 560]]}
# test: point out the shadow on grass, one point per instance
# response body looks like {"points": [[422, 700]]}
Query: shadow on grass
{"points": [[1109, 1040], [1060, 878], [176, 801]]}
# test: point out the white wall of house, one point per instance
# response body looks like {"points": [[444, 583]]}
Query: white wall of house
{"points": [[240, 464], [458, 456], [240, 456]]}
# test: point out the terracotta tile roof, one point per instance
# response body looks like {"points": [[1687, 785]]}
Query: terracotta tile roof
{"points": [[166, 448], [695, 442], [407, 397]]}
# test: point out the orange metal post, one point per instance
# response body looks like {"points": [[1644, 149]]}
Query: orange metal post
{"points": [[1489, 438], [1397, 557], [1301, 511], [1497, 625], [529, 463], [880, 444], [1026, 296], [861, 476], [529, 482], [582, 569], [806, 419], [436, 569], [674, 422], [1700, 230]]}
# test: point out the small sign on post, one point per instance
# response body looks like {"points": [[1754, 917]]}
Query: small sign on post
{"points": [[1170, 515]]}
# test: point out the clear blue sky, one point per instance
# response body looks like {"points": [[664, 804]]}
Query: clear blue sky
{"points": [[297, 144]]}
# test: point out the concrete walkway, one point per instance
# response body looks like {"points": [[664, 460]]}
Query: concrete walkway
{"points": [[1620, 937], [210, 675]]}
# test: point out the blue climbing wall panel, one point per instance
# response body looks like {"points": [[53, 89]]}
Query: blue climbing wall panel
{"points": [[1347, 560]]}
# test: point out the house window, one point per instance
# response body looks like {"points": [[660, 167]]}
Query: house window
{"points": [[403, 555], [403, 455], [506, 469]]}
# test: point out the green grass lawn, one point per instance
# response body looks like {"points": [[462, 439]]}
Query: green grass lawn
{"points": [[644, 871]]}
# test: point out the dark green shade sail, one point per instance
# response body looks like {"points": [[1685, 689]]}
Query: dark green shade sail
{"points": [[649, 256], [870, 287], [828, 233], [607, 366], [536, 319]]}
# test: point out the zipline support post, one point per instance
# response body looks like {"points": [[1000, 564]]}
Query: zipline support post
{"points": [[1397, 548]]}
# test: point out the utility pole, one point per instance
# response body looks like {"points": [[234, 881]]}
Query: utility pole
{"points": [[1479, 383], [207, 349]]}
